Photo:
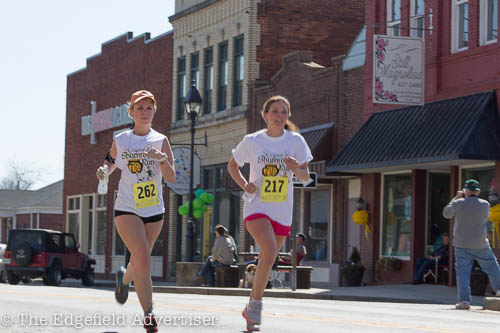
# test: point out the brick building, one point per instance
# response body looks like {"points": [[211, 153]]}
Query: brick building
{"points": [[225, 46], [40, 209], [96, 110], [412, 160]]}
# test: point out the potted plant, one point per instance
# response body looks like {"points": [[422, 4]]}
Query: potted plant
{"points": [[352, 271], [478, 280]]}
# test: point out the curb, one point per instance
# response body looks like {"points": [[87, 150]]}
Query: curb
{"points": [[491, 303], [283, 294]]}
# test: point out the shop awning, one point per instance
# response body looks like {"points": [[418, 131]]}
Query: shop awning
{"points": [[319, 140], [459, 130]]}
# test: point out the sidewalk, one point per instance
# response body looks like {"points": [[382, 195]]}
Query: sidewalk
{"points": [[398, 293]]}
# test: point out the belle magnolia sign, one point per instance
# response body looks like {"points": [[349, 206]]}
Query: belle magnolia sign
{"points": [[398, 70]]}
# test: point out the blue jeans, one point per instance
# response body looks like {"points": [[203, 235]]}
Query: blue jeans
{"points": [[422, 266], [464, 259], [208, 271]]}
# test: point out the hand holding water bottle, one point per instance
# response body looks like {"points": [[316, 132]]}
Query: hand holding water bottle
{"points": [[250, 190], [103, 176]]}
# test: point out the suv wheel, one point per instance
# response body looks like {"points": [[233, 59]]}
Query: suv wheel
{"points": [[22, 254], [88, 277], [13, 278], [53, 275], [2, 277]]}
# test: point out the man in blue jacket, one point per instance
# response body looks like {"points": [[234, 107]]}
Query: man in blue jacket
{"points": [[470, 240]]}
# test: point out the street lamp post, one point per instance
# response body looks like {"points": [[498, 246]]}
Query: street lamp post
{"points": [[192, 105]]}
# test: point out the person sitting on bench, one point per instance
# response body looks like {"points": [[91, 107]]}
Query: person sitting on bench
{"points": [[300, 251], [223, 253], [422, 265]]}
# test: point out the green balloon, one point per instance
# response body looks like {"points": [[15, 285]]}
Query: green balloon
{"points": [[183, 210], [199, 192], [198, 204], [210, 198], [197, 214], [204, 197]]}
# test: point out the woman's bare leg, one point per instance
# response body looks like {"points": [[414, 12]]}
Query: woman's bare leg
{"points": [[152, 232], [262, 232], [132, 231]]}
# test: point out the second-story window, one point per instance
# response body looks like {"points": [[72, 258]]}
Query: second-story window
{"points": [[181, 87], [239, 71], [208, 80], [394, 17], [223, 77], [488, 21], [195, 69], [460, 25], [417, 18]]}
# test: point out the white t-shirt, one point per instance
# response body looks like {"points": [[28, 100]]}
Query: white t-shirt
{"points": [[265, 155], [139, 172]]}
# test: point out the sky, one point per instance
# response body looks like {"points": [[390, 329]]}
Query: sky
{"points": [[42, 42]]}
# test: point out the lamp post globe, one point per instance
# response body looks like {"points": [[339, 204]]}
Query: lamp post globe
{"points": [[192, 106]]}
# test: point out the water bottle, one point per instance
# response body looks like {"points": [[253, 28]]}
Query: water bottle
{"points": [[251, 249], [102, 188], [248, 197]]}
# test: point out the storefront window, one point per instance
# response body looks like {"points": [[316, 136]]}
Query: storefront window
{"points": [[396, 226], [317, 230]]}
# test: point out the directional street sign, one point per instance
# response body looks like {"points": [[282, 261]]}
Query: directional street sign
{"points": [[312, 182]]}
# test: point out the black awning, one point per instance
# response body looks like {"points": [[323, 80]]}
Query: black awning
{"points": [[464, 128], [315, 136]]}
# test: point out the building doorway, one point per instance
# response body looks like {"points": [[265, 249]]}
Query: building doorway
{"points": [[439, 196]]}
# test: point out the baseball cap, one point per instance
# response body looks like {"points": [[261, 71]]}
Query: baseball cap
{"points": [[472, 185], [140, 95], [301, 235]]}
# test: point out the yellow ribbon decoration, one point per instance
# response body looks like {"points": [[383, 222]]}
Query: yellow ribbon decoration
{"points": [[361, 217], [495, 218]]}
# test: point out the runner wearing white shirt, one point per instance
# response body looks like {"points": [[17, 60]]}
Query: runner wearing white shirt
{"points": [[144, 157], [275, 154]]}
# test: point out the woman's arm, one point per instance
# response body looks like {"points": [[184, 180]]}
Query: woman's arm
{"points": [[300, 171], [234, 171], [108, 165], [167, 167], [166, 159]]}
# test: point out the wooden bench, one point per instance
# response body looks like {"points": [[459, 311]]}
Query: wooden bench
{"points": [[186, 273], [227, 276], [303, 275]]}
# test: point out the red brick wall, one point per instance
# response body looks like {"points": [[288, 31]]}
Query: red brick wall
{"points": [[328, 28], [123, 67], [23, 221], [447, 74], [49, 221]]}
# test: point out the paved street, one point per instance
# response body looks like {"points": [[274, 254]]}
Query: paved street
{"points": [[36, 308]]}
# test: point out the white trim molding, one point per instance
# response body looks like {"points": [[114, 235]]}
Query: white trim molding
{"points": [[488, 11], [456, 28], [393, 26]]}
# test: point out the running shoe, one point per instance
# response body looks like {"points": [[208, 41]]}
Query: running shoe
{"points": [[252, 314], [150, 323], [121, 291]]}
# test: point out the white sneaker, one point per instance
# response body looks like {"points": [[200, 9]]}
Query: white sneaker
{"points": [[497, 293], [462, 306]]}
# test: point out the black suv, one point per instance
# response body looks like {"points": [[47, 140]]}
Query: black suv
{"points": [[53, 255]]}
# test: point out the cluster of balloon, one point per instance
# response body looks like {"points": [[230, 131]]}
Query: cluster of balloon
{"points": [[199, 204]]}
